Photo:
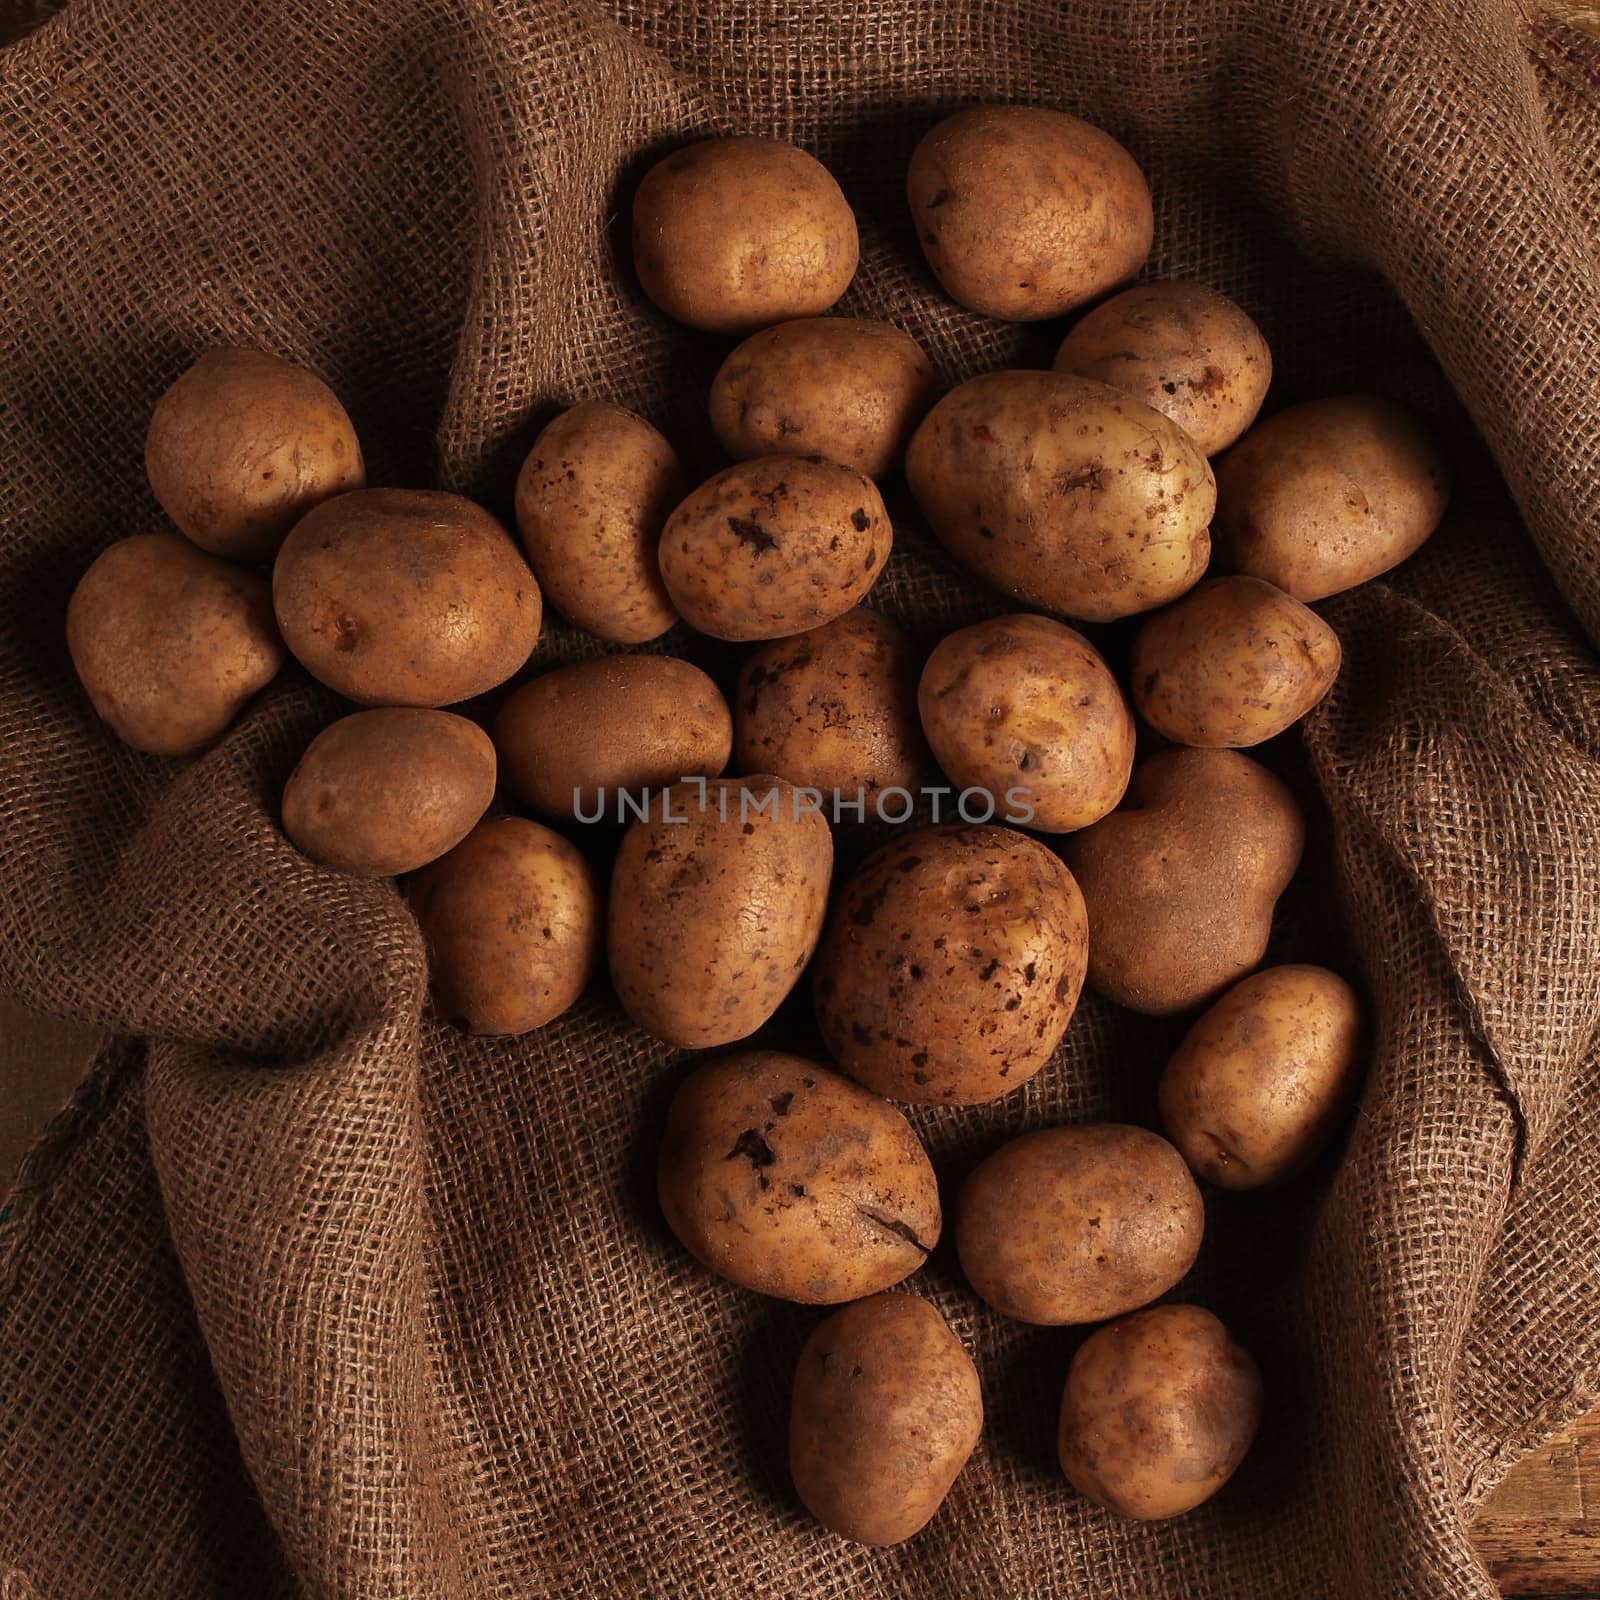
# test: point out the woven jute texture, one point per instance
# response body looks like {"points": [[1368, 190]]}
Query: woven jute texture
{"points": [[306, 1295]]}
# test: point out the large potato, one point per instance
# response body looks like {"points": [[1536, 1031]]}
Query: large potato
{"points": [[886, 1410], [170, 642], [1064, 492], [1068, 1225], [952, 965], [1025, 213], [788, 1179]]}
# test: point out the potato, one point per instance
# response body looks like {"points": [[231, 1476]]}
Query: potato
{"points": [[591, 499], [732, 234], [1234, 662], [1180, 883], [1064, 493], [773, 547], [405, 597], [951, 966], [886, 1410], [242, 446], [512, 921], [575, 739], [717, 900], [1328, 494], [1158, 1412], [1024, 706], [170, 642], [785, 1178], [1261, 1082], [387, 791], [1185, 350], [839, 387], [1068, 1225]]}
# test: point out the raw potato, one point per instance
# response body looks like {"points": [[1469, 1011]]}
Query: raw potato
{"points": [[786, 1178], [1064, 493], [1025, 213], [242, 446], [1233, 663], [405, 597], [773, 547], [512, 921], [952, 965], [839, 387], [1025, 706], [1159, 1410], [715, 914], [1328, 494], [1261, 1082], [1181, 882], [592, 497], [730, 235], [170, 642], [886, 1411], [1182, 348]]}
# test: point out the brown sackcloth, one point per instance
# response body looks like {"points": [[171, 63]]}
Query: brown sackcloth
{"points": [[308, 1296]]}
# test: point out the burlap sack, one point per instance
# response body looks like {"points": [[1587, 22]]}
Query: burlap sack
{"points": [[306, 1296]]}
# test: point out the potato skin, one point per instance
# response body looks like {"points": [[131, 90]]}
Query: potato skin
{"points": [[242, 446], [730, 235], [1158, 1412], [387, 791], [952, 965], [786, 1178], [1184, 350], [713, 919], [1024, 213], [1065, 493], [1233, 663], [1328, 494], [405, 597], [591, 499], [840, 387], [170, 642], [1181, 882], [887, 1409], [1022, 702], [1261, 1082], [773, 547]]}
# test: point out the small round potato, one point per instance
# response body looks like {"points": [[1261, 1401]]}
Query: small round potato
{"points": [[170, 642], [887, 1408], [730, 235], [839, 387], [1233, 663], [788, 1179], [952, 965], [1328, 494], [512, 921], [773, 547], [405, 597], [1064, 493], [1183, 349], [592, 496], [1023, 705], [1261, 1082], [1069, 1225], [242, 446], [1158, 1412]]}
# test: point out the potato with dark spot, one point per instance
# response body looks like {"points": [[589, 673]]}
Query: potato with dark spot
{"points": [[952, 965], [773, 547], [1159, 1410], [887, 1409], [786, 1178]]}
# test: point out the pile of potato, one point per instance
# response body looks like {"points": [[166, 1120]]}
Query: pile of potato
{"points": [[951, 963]]}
